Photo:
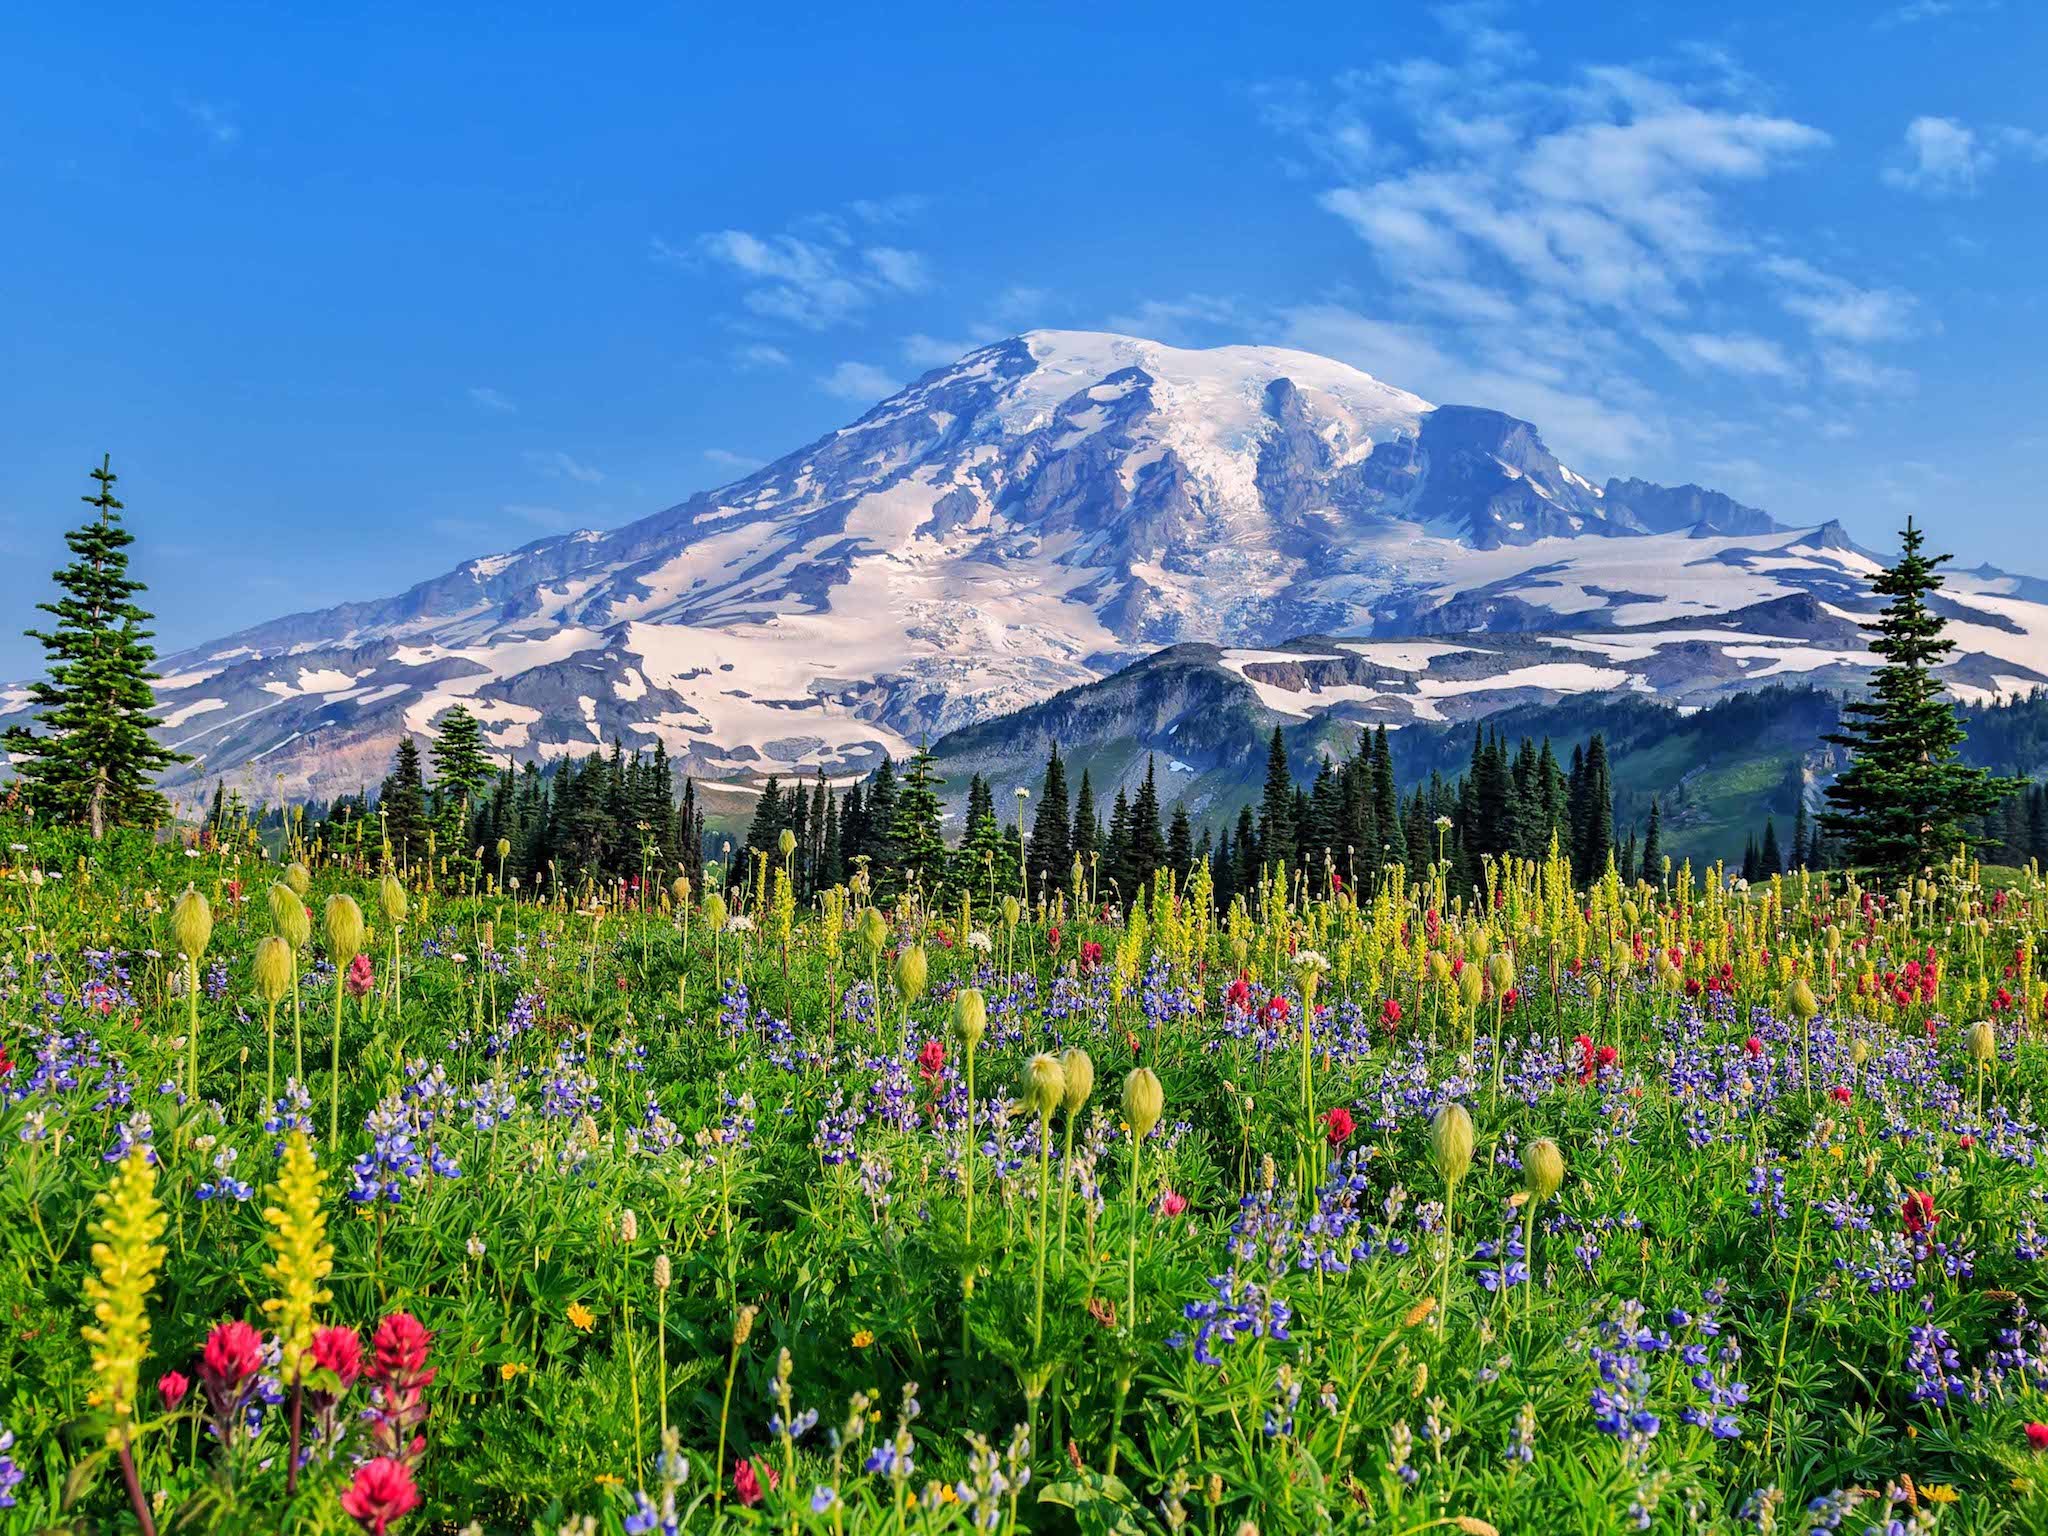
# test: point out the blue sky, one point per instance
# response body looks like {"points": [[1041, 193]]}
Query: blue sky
{"points": [[353, 299]]}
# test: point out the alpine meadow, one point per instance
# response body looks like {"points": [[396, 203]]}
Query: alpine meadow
{"points": [[1150, 932]]}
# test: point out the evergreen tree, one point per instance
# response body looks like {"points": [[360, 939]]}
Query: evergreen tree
{"points": [[1148, 843], [1276, 806], [1180, 843], [1901, 800], [920, 849], [1087, 829], [1799, 837], [878, 844], [1052, 832], [93, 761], [1595, 817], [1653, 849], [1246, 880], [403, 802], [460, 767], [1770, 858], [1117, 868]]}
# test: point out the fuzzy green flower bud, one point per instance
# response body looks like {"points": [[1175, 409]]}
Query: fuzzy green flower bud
{"points": [[714, 911], [344, 924], [970, 1016], [1542, 1169], [391, 899], [504, 849], [1450, 1142], [191, 924], [1012, 910], [1045, 1084], [1144, 1101], [1080, 1076], [786, 842], [273, 967], [1982, 1043], [298, 877], [1800, 1001], [1470, 984], [1500, 970], [874, 930], [288, 915], [911, 970]]}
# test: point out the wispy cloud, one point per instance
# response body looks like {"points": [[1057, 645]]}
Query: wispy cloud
{"points": [[758, 354], [1837, 310], [824, 271], [484, 398], [1192, 317], [725, 458], [861, 382], [215, 120], [563, 467], [1542, 240], [537, 513], [922, 351]]}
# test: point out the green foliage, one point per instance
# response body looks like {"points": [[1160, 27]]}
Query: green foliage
{"points": [[93, 760], [1905, 791]]}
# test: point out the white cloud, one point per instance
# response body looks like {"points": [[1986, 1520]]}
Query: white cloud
{"points": [[1942, 157], [537, 514], [1540, 237], [1859, 371], [904, 271], [484, 398], [1612, 427], [215, 120], [725, 458], [1020, 306], [813, 275], [922, 351], [1190, 318], [899, 209], [563, 467], [1835, 309], [1749, 356], [759, 354], [862, 382]]}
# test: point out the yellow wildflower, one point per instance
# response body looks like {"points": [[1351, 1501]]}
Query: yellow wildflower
{"points": [[862, 1338], [302, 1255], [1939, 1493], [581, 1318], [127, 1257], [511, 1370]]}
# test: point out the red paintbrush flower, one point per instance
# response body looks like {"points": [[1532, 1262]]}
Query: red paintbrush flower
{"points": [[1337, 1126], [746, 1481], [1917, 1212], [381, 1492], [340, 1351]]}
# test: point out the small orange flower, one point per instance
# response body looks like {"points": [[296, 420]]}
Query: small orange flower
{"points": [[581, 1318], [862, 1338]]}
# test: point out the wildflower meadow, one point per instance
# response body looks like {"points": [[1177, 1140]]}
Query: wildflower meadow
{"points": [[345, 1197]]}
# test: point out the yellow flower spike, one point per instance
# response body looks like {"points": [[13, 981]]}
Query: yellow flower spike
{"points": [[126, 1256], [301, 1258]]}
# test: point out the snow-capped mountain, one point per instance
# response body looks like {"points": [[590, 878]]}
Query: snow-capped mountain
{"points": [[1038, 514]]}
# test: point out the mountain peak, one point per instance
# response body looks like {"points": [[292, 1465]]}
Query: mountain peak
{"points": [[1027, 519]]}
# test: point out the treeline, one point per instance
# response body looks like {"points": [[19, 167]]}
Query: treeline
{"points": [[617, 816], [604, 817]]}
